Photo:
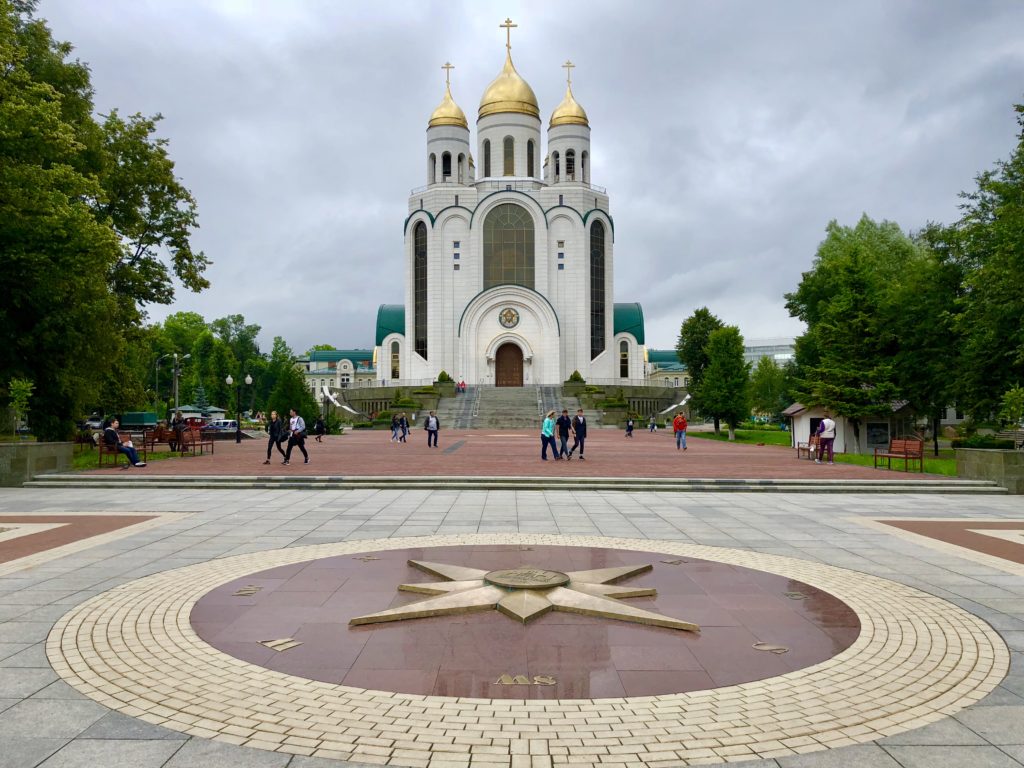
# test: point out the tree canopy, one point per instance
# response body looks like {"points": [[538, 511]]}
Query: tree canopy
{"points": [[725, 388]]}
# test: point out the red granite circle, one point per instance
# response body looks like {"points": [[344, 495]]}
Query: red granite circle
{"points": [[485, 654]]}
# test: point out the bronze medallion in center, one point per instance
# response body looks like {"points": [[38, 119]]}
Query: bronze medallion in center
{"points": [[527, 578]]}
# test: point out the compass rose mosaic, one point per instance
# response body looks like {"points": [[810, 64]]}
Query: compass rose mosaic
{"points": [[524, 593]]}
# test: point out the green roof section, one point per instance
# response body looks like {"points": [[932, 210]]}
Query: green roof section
{"points": [[390, 319], [357, 356], [629, 318], [665, 360]]}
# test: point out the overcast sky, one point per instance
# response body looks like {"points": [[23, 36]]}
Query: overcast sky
{"points": [[728, 134]]}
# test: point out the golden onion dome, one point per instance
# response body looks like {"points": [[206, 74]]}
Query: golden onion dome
{"points": [[448, 112], [569, 112], [508, 92]]}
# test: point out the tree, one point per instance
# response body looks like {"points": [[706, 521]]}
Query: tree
{"points": [[726, 384], [199, 400], [320, 348], [847, 302], [769, 395], [989, 241], [240, 338], [692, 351], [290, 392], [1012, 410], [20, 393], [57, 317]]}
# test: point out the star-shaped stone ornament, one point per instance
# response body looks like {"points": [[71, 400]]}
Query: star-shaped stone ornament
{"points": [[525, 593]]}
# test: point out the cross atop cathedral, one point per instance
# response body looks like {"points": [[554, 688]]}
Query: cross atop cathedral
{"points": [[568, 67], [447, 67], [508, 26]]}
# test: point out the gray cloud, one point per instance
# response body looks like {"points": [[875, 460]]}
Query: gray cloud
{"points": [[728, 134]]}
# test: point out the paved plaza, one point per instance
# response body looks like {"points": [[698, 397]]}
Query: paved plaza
{"points": [[120, 608]]}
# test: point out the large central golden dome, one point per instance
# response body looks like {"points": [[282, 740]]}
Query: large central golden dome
{"points": [[508, 92]]}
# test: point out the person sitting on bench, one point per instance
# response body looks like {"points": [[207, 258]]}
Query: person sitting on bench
{"points": [[113, 439]]}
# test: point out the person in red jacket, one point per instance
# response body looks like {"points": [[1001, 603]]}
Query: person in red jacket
{"points": [[679, 428]]}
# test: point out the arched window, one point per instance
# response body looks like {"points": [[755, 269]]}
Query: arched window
{"points": [[529, 158], [585, 166], [395, 366], [432, 169], [570, 165], [462, 169], [510, 156], [623, 359], [420, 289], [487, 158], [597, 289], [508, 246], [446, 166], [557, 166]]}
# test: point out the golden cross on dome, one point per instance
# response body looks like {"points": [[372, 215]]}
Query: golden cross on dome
{"points": [[568, 67], [508, 26], [447, 67]]}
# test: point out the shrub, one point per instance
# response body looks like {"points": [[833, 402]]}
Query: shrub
{"points": [[444, 378], [982, 441], [576, 378]]}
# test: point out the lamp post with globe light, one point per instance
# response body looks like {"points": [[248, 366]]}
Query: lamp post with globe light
{"points": [[177, 373], [238, 403]]}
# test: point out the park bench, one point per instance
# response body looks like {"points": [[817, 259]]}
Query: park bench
{"points": [[105, 450], [163, 435], [194, 441], [809, 450], [1017, 435], [910, 449]]}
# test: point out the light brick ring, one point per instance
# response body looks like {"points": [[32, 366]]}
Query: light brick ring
{"points": [[918, 658]]}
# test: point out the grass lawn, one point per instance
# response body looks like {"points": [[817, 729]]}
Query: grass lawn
{"points": [[935, 466], [88, 458], [747, 436]]}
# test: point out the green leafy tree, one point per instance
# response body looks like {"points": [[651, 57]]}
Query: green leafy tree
{"points": [[989, 243], [290, 392], [725, 388], [691, 348], [320, 348], [20, 392], [769, 393], [1012, 410], [57, 317], [847, 302], [240, 338]]}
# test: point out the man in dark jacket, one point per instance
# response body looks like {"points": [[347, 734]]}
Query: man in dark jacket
{"points": [[276, 433], [113, 439], [433, 425], [579, 430], [563, 423]]}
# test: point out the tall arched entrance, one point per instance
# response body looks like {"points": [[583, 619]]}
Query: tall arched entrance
{"points": [[508, 366]]}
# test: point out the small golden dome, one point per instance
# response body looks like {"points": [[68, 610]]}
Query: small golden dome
{"points": [[509, 93], [448, 112], [569, 112]]}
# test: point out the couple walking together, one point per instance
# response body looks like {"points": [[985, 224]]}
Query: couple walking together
{"points": [[577, 425], [294, 433]]}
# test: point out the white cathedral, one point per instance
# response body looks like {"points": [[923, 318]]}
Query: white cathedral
{"points": [[509, 263]]}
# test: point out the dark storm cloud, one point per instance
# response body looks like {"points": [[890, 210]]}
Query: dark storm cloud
{"points": [[728, 134]]}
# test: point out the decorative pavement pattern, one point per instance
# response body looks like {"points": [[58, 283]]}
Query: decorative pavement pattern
{"points": [[939, 631]]}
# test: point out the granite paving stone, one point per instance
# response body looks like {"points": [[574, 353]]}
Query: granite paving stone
{"points": [[112, 753], [952, 757], [23, 752], [998, 724]]}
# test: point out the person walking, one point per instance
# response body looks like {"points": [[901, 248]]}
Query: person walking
{"points": [[276, 434], [113, 440], [547, 437], [319, 429], [629, 427], [652, 424], [394, 427], [177, 440], [297, 437], [564, 425], [433, 426], [827, 438], [679, 430], [579, 431], [403, 426]]}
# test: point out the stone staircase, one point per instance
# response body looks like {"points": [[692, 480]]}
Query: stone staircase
{"points": [[503, 407]]}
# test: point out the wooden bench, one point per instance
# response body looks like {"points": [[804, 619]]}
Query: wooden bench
{"points": [[809, 450], [1017, 435], [111, 450], [910, 449], [193, 441]]}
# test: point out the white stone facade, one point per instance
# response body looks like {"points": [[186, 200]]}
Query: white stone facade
{"points": [[553, 311]]}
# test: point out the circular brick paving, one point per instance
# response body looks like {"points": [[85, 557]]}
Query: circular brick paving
{"points": [[916, 660], [310, 604]]}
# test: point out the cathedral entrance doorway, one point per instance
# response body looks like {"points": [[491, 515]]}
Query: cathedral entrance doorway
{"points": [[508, 366]]}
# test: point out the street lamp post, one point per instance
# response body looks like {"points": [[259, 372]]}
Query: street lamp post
{"points": [[156, 379], [177, 373], [238, 404]]}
